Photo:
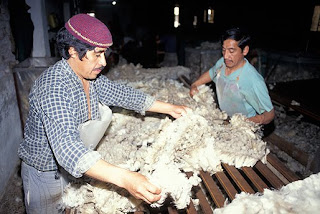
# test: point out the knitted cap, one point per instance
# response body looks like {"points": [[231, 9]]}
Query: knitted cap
{"points": [[89, 30]]}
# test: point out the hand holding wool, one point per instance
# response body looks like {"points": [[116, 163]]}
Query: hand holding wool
{"points": [[141, 188]]}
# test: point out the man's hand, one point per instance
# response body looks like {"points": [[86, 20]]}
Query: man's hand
{"points": [[193, 90], [175, 111], [141, 188], [263, 118], [136, 184], [178, 111]]}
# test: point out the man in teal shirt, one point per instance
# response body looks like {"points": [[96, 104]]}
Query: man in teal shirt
{"points": [[239, 87]]}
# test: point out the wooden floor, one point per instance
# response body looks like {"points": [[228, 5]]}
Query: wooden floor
{"points": [[226, 184]]}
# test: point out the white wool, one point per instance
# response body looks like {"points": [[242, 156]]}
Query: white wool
{"points": [[173, 183], [161, 148], [72, 197], [106, 198], [301, 196]]}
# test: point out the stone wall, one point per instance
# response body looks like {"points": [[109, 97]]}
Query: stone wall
{"points": [[201, 59], [10, 123]]}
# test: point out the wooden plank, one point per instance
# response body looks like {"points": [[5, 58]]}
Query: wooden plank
{"points": [[299, 108], [226, 184], [204, 204], [268, 174], [238, 178], [255, 179], [294, 152], [213, 189], [191, 208], [172, 210], [278, 165]]}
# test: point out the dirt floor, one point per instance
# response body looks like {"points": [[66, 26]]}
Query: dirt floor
{"points": [[12, 200]]}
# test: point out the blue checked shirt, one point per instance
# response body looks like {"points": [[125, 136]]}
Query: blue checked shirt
{"points": [[58, 105]]}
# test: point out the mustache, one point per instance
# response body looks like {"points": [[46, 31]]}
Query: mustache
{"points": [[100, 68]]}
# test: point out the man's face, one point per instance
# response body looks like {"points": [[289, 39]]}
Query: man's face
{"points": [[91, 64], [232, 54]]}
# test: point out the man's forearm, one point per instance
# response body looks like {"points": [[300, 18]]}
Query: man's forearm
{"points": [[106, 172], [168, 108], [135, 183], [264, 118], [203, 79]]}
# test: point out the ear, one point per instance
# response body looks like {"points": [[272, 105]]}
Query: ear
{"points": [[245, 50], [72, 52]]}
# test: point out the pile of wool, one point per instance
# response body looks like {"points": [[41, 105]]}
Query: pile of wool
{"points": [[163, 149], [301, 196], [98, 197], [131, 72]]}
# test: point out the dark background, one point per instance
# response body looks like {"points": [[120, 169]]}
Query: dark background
{"points": [[278, 25]]}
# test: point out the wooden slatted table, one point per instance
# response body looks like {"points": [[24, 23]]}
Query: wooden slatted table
{"points": [[223, 186]]}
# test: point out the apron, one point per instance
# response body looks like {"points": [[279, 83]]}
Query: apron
{"points": [[230, 99], [92, 131]]}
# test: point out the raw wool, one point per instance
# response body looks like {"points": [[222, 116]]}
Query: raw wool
{"points": [[173, 183], [161, 148], [301, 196], [240, 143], [130, 73], [98, 197], [303, 135]]}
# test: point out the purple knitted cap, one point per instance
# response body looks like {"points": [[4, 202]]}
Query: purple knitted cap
{"points": [[89, 30]]}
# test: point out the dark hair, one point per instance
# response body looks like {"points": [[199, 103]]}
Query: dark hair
{"points": [[238, 35], [65, 40]]}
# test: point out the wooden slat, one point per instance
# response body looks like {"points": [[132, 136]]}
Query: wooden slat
{"points": [[255, 179], [296, 153], [172, 210], [268, 174], [226, 184], [299, 108], [238, 179], [278, 165], [213, 189], [191, 208], [204, 204]]}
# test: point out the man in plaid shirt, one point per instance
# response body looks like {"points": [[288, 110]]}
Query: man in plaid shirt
{"points": [[65, 96]]}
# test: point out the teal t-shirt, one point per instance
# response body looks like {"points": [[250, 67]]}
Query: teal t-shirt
{"points": [[251, 85]]}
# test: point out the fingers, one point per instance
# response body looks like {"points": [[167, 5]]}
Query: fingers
{"points": [[141, 188], [153, 188], [194, 90], [151, 194]]}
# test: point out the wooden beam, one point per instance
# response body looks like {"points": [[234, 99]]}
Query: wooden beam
{"points": [[294, 152], [255, 179], [191, 208], [213, 189], [238, 178], [278, 165], [268, 174], [226, 184], [172, 210], [287, 102], [204, 204]]}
